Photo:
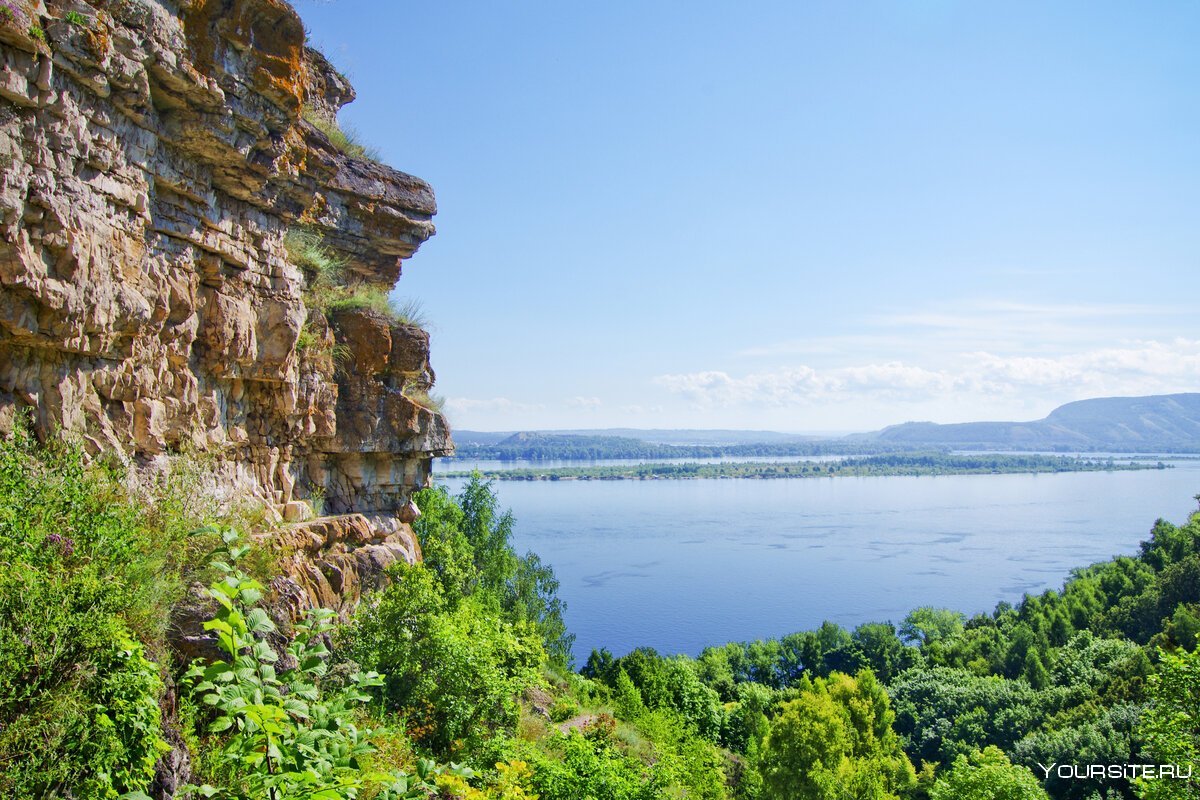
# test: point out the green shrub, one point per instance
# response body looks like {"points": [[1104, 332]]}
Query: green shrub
{"points": [[454, 670], [80, 572], [36, 32], [282, 734], [987, 775], [591, 764], [563, 709], [75, 18], [1171, 725]]}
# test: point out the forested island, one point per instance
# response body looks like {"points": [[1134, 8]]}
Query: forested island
{"points": [[870, 466]]}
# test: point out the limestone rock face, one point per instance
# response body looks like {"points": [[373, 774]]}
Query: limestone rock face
{"points": [[152, 162], [330, 562]]}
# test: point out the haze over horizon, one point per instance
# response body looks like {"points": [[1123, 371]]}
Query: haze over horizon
{"points": [[790, 217]]}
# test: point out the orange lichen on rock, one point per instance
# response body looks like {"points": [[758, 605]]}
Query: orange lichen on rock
{"points": [[268, 33]]}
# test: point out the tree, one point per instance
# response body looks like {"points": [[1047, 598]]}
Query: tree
{"points": [[466, 542], [1171, 726], [836, 740], [454, 672], [926, 625], [987, 775], [880, 649]]}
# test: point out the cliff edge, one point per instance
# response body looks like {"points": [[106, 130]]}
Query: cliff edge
{"points": [[157, 162]]}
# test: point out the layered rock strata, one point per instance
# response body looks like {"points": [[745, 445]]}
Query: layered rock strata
{"points": [[154, 156]]}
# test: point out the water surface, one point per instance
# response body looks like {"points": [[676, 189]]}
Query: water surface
{"points": [[681, 564]]}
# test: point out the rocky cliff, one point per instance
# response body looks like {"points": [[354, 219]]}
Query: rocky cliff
{"points": [[154, 158]]}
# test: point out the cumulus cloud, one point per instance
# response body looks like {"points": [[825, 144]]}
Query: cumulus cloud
{"points": [[585, 402], [1147, 367]]}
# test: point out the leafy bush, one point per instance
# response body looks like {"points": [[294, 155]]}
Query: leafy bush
{"points": [[283, 735], [836, 740], [80, 573], [454, 669], [592, 764]]}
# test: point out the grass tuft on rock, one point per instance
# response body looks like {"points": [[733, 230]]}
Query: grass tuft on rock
{"points": [[344, 138]]}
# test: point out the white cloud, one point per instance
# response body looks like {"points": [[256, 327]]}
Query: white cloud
{"points": [[585, 402], [491, 404], [1146, 367], [953, 327]]}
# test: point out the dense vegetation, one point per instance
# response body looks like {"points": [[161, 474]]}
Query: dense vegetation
{"points": [[455, 680], [871, 466]]}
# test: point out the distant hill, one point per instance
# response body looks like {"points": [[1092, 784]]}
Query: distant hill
{"points": [[1157, 423]]}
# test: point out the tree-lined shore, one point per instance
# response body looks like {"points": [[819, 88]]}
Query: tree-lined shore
{"points": [[887, 465]]}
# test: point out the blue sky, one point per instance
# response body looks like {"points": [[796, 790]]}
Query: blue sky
{"points": [[794, 216]]}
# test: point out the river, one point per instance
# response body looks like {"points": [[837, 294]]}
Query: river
{"points": [[681, 564]]}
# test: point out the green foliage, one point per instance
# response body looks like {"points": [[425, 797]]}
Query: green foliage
{"points": [[82, 576], [1172, 726], [987, 775], [746, 718], [282, 735], [877, 465], [466, 542], [945, 713], [927, 625], [589, 764], [454, 668], [77, 19], [643, 680], [36, 32], [878, 647], [836, 740], [322, 267], [345, 139], [97, 734], [370, 298]]}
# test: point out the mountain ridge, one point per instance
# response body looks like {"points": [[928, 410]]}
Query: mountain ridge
{"points": [[1147, 423], [1151, 422]]}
